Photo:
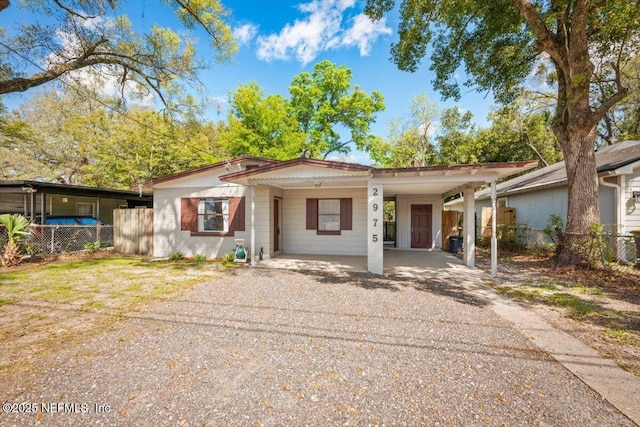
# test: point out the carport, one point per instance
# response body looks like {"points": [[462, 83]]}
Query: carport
{"points": [[284, 201]]}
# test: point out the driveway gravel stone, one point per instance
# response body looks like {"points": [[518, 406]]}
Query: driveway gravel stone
{"points": [[273, 347]]}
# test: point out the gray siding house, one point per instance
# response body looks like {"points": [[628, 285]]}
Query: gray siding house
{"points": [[543, 192]]}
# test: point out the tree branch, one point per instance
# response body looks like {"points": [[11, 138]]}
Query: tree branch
{"points": [[545, 40], [621, 94], [4, 4], [73, 12], [197, 18]]}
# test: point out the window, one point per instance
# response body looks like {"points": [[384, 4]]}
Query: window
{"points": [[85, 208], [213, 215], [329, 215], [502, 202]]}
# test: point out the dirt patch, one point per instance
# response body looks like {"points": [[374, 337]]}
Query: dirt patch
{"points": [[599, 307]]}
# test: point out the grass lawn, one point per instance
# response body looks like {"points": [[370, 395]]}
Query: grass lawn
{"points": [[599, 307], [44, 306]]}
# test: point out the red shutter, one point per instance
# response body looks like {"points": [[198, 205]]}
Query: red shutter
{"points": [[346, 214], [189, 214], [237, 214], [312, 214]]}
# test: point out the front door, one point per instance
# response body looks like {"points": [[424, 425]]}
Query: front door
{"points": [[276, 225], [421, 226]]}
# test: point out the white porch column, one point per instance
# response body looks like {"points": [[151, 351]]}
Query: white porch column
{"points": [[469, 227], [494, 237], [253, 225], [375, 238], [622, 206]]}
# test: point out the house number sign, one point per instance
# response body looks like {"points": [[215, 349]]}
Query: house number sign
{"points": [[375, 206]]}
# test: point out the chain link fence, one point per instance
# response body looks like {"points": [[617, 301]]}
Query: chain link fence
{"points": [[47, 240], [607, 247]]}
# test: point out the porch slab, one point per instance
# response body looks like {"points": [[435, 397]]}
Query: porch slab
{"points": [[409, 264]]}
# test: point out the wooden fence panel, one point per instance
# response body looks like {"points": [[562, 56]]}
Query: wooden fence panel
{"points": [[450, 221], [133, 231], [504, 216]]}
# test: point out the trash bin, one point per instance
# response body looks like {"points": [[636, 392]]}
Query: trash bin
{"points": [[455, 244]]}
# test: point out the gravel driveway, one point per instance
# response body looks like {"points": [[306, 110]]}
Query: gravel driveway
{"points": [[274, 347]]}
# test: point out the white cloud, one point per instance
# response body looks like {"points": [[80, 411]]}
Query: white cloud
{"points": [[363, 33], [245, 33], [321, 30]]}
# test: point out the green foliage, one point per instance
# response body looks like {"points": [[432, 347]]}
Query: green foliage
{"points": [[176, 256], [520, 131], [198, 258], [429, 136], [73, 139], [322, 103], [555, 224], [600, 251], [411, 140], [324, 100], [102, 44], [457, 142], [92, 246], [17, 226], [228, 257], [263, 127]]}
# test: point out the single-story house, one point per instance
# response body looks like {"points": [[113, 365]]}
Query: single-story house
{"points": [[37, 200], [538, 194], [308, 206]]}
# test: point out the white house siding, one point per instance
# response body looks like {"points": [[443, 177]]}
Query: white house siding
{"points": [[298, 240], [632, 207], [264, 218], [168, 238], [403, 219]]}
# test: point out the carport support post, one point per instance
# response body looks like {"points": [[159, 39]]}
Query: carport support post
{"points": [[469, 227], [375, 238], [253, 225], [494, 237]]}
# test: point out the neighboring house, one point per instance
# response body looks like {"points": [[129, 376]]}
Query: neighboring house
{"points": [[37, 200], [543, 192], [306, 206]]}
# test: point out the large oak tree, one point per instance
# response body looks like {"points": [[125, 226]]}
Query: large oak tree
{"points": [[499, 42]]}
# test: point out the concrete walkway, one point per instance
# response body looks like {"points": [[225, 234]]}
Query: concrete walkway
{"points": [[617, 386]]}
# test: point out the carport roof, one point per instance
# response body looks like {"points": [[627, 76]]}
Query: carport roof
{"points": [[71, 190], [313, 173]]}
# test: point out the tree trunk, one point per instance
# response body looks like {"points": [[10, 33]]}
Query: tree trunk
{"points": [[583, 210]]}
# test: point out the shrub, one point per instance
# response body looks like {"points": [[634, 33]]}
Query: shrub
{"points": [[228, 257], [176, 256], [200, 258], [17, 227], [555, 224], [92, 246]]}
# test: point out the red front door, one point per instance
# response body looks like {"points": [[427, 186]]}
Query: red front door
{"points": [[421, 226]]}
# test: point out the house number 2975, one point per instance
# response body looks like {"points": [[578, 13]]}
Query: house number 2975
{"points": [[374, 237]]}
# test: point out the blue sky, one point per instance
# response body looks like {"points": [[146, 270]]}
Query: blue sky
{"points": [[280, 39]]}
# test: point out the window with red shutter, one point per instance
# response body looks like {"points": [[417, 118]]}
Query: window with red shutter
{"points": [[213, 216], [329, 216]]}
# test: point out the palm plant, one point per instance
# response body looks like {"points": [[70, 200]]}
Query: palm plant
{"points": [[17, 228]]}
